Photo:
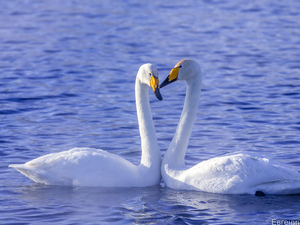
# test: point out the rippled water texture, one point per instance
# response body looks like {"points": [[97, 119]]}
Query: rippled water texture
{"points": [[67, 80]]}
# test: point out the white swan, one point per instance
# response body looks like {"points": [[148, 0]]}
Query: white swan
{"points": [[231, 174], [92, 167]]}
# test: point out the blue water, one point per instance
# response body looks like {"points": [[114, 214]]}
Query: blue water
{"points": [[67, 73]]}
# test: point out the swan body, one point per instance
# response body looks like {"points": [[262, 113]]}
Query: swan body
{"points": [[239, 173], [95, 167]]}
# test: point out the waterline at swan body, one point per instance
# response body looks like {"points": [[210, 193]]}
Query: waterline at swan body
{"points": [[240, 173], [94, 167]]}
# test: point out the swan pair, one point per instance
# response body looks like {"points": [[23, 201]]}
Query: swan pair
{"points": [[230, 174]]}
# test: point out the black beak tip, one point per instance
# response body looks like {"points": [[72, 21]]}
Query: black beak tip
{"points": [[158, 95]]}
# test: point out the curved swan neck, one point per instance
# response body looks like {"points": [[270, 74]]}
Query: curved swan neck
{"points": [[177, 149], [150, 151]]}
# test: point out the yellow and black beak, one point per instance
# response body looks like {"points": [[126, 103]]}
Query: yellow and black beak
{"points": [[173, 76], [154, 84]]}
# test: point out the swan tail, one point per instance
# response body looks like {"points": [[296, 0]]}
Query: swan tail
{"points": [[39, 175]]}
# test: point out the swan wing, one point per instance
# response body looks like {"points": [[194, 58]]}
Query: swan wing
{"points": [[240, 174], [82, 167]]}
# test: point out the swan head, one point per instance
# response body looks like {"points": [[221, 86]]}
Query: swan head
{"points": [[186, 69], [148, 75]]}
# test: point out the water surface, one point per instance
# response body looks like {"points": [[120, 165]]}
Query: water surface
{"points": [[67, 80]]}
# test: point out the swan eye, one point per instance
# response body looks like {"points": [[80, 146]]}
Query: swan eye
{"points": [[150, 74]]}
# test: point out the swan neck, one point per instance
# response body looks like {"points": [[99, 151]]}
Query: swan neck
{"points": [[177, 149], [150, 152]]}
